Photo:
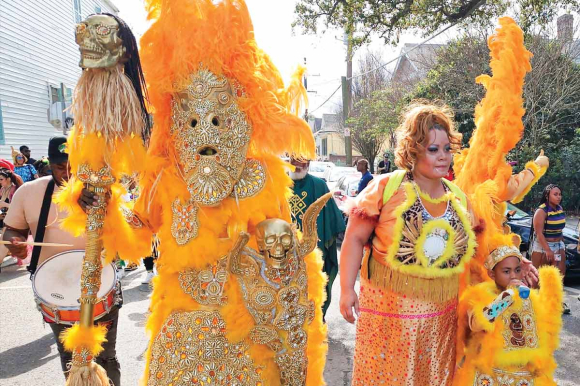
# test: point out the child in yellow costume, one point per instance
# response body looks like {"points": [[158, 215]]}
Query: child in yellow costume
{"points": [[506, 337], [223, 313]]}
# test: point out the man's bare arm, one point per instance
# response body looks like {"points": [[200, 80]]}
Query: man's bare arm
{"points": [[16, 236]]}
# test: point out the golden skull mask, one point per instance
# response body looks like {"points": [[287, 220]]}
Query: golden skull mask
{"points": [[275, 239], [211, 136], [99, 42]]}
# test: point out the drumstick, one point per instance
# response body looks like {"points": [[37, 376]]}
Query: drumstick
{"points": [[2, 242]]}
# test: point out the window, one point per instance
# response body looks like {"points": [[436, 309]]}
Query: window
{"points": [[97, 9], [77, 11], [60, 98], [1, 127], [324, 147]]}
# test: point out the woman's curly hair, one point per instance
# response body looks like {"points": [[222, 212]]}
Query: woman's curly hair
{"points": [[413, 132]]}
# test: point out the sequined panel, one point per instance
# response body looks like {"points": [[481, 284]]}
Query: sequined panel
{"points": [[206, 286], [520, 327], [211, 137], [503, 378], [415, 219], [191, 349], [404, 341], [184, 225]]}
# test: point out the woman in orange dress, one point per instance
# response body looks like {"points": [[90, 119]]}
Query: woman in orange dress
{"points": [[422, 236]]}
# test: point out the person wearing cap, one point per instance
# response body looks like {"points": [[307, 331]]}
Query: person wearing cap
{"points": [[23, 218], [330, 223], [508, 333], [385, 165]]}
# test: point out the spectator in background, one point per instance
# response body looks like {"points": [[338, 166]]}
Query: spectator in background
{"points": [[27, 172], [43, 167], [385, 164], [8, 186], [26, 152], [363, 166], [5, 164]]}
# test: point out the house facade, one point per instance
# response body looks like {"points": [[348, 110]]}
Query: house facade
{"points": [[39, 69], [330, 145]]}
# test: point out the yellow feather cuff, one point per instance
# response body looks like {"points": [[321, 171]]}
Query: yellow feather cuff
{"points": [[538, 173], [91, 338]]}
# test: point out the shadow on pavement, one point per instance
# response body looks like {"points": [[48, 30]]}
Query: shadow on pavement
{"points": [[21, 359], [338, 369], [12, 272]]}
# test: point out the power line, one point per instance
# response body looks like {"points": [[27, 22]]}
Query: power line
{"points": [[327, 99], [379, 67]]}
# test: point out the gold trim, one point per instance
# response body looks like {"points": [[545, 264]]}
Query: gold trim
{"points": [[438, 289]]}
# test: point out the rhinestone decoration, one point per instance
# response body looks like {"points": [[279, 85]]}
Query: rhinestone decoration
{"points": [[184, 226], [192, 349], [207, 286], [211, 136]]}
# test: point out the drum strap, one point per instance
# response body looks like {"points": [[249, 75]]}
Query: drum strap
{"points": [[39, 237]]}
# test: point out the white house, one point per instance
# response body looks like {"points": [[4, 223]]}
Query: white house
{"points": [[39, 68]]}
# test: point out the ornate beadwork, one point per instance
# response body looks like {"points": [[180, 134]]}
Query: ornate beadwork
{"points": [[211, 137], [504, 378], [132, 219], [298, 207], [81, 357], [252, 180], [266, 335], [416, 218], [519, 327], [207, 286], [184, 226], [90, 281], [101, 177], [292, 368], [191, 348]]}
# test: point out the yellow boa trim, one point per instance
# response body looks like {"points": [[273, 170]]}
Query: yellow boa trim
{"points": [[424, 270], [484, 350]]}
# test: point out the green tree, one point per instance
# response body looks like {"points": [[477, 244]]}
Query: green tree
{"points": [[389, 18], [551, 100], [373, 123]]}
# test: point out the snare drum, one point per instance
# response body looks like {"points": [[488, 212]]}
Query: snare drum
{"points": [[57, 288]]}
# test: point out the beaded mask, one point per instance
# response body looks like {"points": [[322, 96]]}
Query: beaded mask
{"points": [[211, 136]]}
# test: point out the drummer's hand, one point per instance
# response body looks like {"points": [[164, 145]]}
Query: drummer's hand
{"points": [[17, 249], [88, 199], [348, 301]]}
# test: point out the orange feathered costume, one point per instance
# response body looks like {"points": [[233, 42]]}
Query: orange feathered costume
{"points": [[191, 39], [483, 173]]}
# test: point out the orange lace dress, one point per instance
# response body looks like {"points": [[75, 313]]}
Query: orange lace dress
{"points": [[406, 332]]}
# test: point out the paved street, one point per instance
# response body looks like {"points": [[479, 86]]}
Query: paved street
{"points": [[28, 353]]}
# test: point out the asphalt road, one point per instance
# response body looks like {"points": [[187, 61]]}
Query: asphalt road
{"points": [[28, 353]]}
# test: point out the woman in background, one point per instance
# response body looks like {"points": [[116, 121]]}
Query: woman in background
{"points": [[549, 220]]}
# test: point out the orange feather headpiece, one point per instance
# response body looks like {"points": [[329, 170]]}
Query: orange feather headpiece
{"points": [[186, 35]]}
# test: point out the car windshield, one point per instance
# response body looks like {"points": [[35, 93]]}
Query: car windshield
{"points": [[518, 213], [338, 172], [317, 167]]}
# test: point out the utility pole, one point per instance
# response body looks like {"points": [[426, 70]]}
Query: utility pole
{"points": [[306, 88], [346, 96]]}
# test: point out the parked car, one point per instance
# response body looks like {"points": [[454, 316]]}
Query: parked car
{"points": [[346, 188], [331, 176], [317, 168], [520, 223]]}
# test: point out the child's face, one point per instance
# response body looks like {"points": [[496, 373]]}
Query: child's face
{"points": [[507, 272]]}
